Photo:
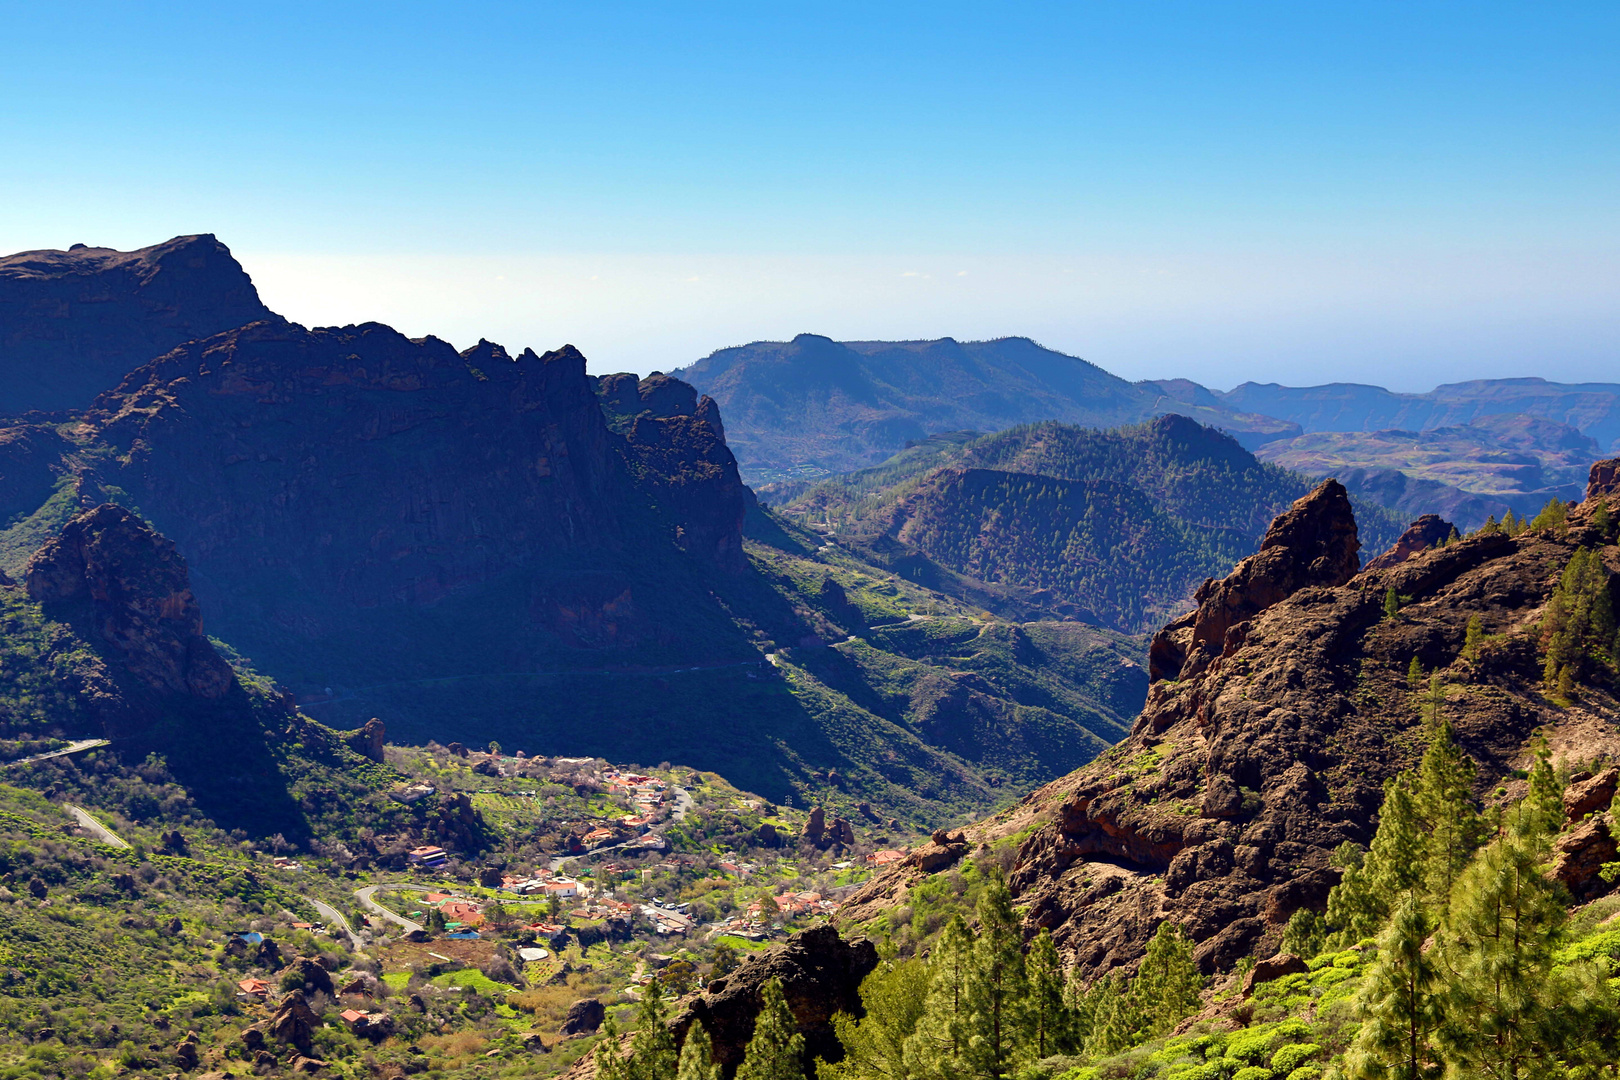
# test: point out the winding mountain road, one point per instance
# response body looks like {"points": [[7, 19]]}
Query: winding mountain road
{"points": [[95, 828], [333, 916], [367, 895], [71, 748]]}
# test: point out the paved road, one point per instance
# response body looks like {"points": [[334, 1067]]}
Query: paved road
{"points": [[95, 828], [365, 897], [71, 748], [335, 917]]}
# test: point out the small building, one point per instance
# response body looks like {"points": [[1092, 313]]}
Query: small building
{"points": [[253, 989], [884, 858], [563, 889], [427, 856]]}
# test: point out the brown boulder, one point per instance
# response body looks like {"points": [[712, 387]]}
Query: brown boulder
{"points": [[584, 1017], [816, 825], [139, 593], [185, 1055], [1579, 856], [1424, 533], [368, 740], [842, 832], [821, 976], [252, 1038], [317, 980], [294, 1022], [1586, 796], [941, 851], [1274, 968], [306, 1065]]}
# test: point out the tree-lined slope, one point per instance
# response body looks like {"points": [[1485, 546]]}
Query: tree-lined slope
{"points": [[1116, 527]]}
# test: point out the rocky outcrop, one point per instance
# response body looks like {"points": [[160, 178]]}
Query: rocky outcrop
{"points": [[294, 1022], [1594, 793], [1579, 856], [584, 1017], [1222, 810], [369, 740], [821, 975], [944, 849], [1604, 479], [1426, 532], [313, 975], [1313, 543], [1273, 968], [73, 323], [136, 588]]}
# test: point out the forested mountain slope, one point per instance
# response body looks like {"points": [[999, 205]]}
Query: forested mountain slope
{"points": [[1114, 527]]}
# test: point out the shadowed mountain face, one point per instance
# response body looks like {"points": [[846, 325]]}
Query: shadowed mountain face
{"points": [[73, 323], [812, 406], [478, 545]]}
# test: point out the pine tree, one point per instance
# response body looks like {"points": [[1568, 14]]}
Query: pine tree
{"points": [[1445, 801], [1555, 515], [892, 999], [1414, 675], [1359, 905], [1165, 990], [1401, 1002], [776, 1050], [1474, 635], [1111, 1023], [697, 1056], [1497, 945], [996, 983], [936, 1045], [1305, 935], [1509, 526], [1044, 1020], [1392, 604], [610, 1062], [653, 1053]]}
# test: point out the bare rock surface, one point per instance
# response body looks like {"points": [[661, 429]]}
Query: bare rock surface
{"points": [[1424, 533], [1278, 709], [137, 587]]}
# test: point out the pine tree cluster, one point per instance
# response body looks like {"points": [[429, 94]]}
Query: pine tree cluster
{"points": [[1466, 922], [979, 1007]]}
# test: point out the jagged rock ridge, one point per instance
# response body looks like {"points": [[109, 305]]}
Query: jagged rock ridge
{"points": [[1240, 778]]}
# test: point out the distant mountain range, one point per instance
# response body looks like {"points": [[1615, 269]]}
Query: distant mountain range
{"points": [[813, 407]]}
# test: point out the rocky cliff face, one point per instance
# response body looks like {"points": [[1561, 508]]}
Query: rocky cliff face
{"points": [[72, 323], [136, 586], [1277, 710], [319, 478]]}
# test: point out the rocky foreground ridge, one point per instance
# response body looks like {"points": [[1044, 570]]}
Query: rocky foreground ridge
{"points": [[1277, 709]]}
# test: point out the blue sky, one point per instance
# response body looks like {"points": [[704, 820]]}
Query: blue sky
{"points": [[1395, 193]]}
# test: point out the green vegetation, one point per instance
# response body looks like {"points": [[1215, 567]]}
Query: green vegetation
{"points": [[1578, 629], [1122, 524]]}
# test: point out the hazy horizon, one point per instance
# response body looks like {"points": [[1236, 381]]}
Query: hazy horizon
{"points": [[1396, 194]]}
